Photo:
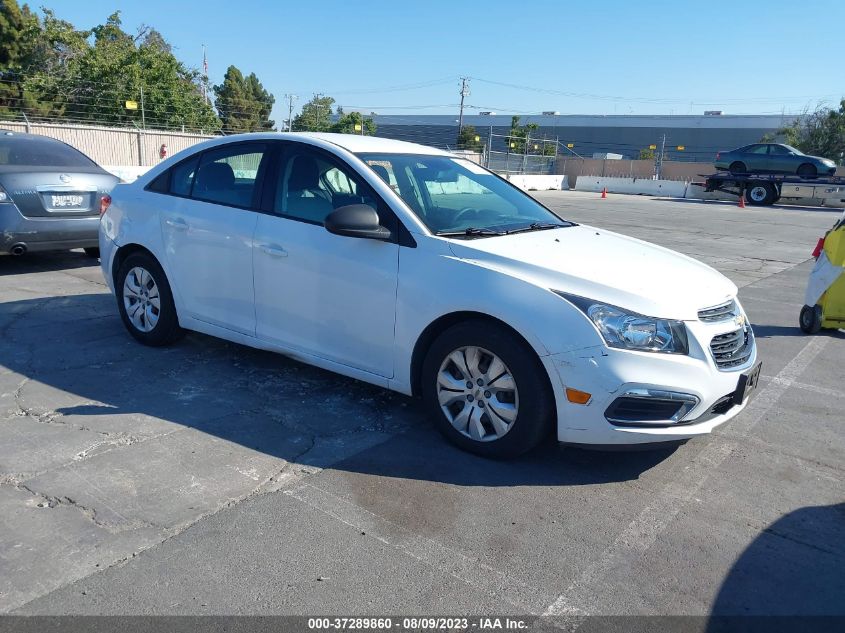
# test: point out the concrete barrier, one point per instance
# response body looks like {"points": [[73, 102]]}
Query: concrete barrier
{"points": [[535, 182], [126, 173], [637, 186]]}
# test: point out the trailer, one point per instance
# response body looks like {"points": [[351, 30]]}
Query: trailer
{"points": [[767, 189]]}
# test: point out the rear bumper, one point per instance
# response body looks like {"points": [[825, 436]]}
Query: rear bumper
{"points": [[45, 234]]}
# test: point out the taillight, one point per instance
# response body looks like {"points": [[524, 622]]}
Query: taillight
{"points": [[105, 201], [718, 154], [819, 248]]}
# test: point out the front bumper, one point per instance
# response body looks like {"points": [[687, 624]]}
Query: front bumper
{"points": [[45, 234], [609, 373]]}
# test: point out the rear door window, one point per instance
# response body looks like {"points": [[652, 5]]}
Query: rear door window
{"points": [[182, 176], [229, 175]]}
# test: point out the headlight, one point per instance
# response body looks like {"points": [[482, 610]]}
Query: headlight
{"points": [[4, 197], [829, 162], [629, 330]]}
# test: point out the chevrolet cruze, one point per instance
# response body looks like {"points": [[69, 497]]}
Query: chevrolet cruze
{"points": [[422, 272]]}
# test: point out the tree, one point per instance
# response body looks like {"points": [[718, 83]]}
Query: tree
{"points": [[519, 134], [352, 124], [316, 115], [819, 133], [468, 139], [243, 103], [89, 75], [18, 26], [647, 154]]}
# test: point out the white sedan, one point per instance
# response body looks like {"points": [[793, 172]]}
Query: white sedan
{"points": [[413, 269]]}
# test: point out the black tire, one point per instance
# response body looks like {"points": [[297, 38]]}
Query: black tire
{"points": [[810, 319], [92, 251], [738, 167], [535, 412], [760, 194], [166, 330], [807, 171]]}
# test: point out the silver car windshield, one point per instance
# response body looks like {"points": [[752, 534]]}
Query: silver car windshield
{"points": [[454, 196]]}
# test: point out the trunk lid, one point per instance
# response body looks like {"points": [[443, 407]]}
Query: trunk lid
{"points": [[50, 192]]}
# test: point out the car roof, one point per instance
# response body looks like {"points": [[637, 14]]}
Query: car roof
{"points": [[354, 143]]}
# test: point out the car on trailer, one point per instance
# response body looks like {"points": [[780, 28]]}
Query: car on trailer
{"points": [[773, 158]]}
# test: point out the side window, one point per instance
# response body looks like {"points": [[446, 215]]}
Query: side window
{"points": [[758, 149], [182, 176], [779, 150], [228, 175], [311, 186]]}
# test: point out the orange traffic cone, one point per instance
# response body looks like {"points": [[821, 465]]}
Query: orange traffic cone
{"points": [[604, 192], [741, 200]]}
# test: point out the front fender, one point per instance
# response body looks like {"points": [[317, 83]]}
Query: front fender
{"points": [[548, 323]]}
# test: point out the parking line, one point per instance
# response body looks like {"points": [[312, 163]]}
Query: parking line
{"points": [[429, 552], [578, 598], [823, 391]]}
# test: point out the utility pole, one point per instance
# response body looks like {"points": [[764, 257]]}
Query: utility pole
{"points": [[660, 157], [464, 93], [317, 106], [291, 98], [489, 147], [143, 119]]}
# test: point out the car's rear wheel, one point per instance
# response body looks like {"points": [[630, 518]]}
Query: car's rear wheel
{"points": [[486, 390], [810, 319], [760, 193], [807, 171], [92, 252], [738, 167], [145, 301]]}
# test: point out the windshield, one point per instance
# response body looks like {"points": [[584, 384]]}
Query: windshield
{"points": [[41, 153], [453, 195]]}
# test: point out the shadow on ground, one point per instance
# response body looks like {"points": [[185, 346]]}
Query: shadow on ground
{"points": [[42, 262], [780, 331], [794, 568], [734, 203], [79, 363]]}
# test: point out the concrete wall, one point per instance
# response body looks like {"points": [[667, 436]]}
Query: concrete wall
{"points": [[112, 146], [573, 167]]}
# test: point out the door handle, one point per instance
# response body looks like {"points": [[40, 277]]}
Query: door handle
{"points": [[179, 224], [274, 251]]}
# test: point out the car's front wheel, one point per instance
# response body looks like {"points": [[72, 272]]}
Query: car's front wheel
{"points": [[486, 390], [145, 301]]}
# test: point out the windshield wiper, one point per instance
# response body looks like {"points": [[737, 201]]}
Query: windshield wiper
{"points": [[470, 232], [541, 226]]}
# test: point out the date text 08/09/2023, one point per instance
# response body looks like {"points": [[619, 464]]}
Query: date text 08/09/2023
{"points": [[416, 623]]}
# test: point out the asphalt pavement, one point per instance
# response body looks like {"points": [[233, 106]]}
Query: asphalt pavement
{"points": [[209, 478]]}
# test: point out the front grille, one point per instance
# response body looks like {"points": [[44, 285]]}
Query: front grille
{"points": [[733, 348], [722, 312]]}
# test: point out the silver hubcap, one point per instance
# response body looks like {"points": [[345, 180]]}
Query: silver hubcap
{"points": [[758, 194], [141, 299], [477, 393]]}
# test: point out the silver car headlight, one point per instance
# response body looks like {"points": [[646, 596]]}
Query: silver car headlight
{"points": [[628, 330]]}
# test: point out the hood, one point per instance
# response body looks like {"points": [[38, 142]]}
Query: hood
{"points": [[605, 266]]}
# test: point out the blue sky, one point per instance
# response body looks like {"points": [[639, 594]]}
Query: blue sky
{"points": [[576, 57]]}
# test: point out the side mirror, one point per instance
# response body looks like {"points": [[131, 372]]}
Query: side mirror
{"points": [[356, 220]]}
